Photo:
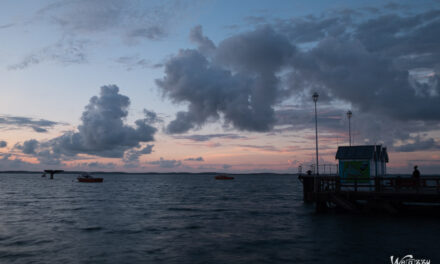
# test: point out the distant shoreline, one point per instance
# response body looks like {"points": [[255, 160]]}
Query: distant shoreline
{"points": [[186, 173], [149, 173]]}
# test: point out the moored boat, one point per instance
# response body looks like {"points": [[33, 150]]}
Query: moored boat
{"points": [[223, 177], [85, 177]]}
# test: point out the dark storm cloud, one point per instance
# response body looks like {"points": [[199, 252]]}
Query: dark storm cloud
{"points": [[3, 143], [151, 117], [48, 157], [384, 66], [5, 156], [368, 65], [100, 165], [7, 163], [132, 155], [401, 35], [262, 51], [311, 28], [95, 165], [39, 129], [368, 80], [388, 130], [18, 122], [35, 148], [205, 45], [300, 118], [163, 163], [419, 145], [210, 136], [28, 146], [195, 159], [239, 82], [366, 127]]}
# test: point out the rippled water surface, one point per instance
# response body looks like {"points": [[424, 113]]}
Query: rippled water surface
{"points": [[193, 219]]}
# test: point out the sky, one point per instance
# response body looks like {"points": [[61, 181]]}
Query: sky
{"points": [[226, 86]]}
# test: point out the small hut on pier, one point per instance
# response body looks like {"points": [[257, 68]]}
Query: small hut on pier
{"points": [[362, 162]]}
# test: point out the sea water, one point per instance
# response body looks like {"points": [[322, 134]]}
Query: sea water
{"points": [[193, 219]]}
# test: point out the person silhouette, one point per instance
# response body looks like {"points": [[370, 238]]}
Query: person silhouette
{"points": [[416, 176], [416, 173]]}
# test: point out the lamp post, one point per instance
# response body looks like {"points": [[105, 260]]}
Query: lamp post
{"points": [[349, 114], [315, 99]]}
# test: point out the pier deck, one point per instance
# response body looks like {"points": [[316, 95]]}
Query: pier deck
{"points": [[384, 193]]}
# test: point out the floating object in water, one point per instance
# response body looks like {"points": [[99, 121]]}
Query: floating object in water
{"points": [[51, 172], [223, 177], [85, 177]]}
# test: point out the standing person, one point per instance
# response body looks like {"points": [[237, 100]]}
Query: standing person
{"points": [[416, 173], [416, 176]]}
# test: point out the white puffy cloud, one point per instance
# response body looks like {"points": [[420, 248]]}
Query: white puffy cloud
{"points": [[102, 132]]}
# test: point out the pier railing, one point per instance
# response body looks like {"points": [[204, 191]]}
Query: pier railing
{"points": [[377, 184], [388, 193], [324, 169]]}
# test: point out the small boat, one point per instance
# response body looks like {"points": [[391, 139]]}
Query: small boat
{"points": [[223, 177], [85, 177]]}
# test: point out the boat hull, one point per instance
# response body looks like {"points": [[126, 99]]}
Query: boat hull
{"points": [[223, 177], [91, 180]]}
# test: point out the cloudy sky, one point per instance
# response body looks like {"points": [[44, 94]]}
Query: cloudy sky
{"points": [[216, 85]]}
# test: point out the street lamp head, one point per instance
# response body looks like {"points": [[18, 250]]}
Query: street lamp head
{"points": [[349, 114], [315, 96]]}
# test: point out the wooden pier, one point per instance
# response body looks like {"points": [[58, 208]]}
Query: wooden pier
{"points": [[389, 194]]}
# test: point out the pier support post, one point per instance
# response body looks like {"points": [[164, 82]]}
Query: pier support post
{"points": [[308, 189], [321, 207]]}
